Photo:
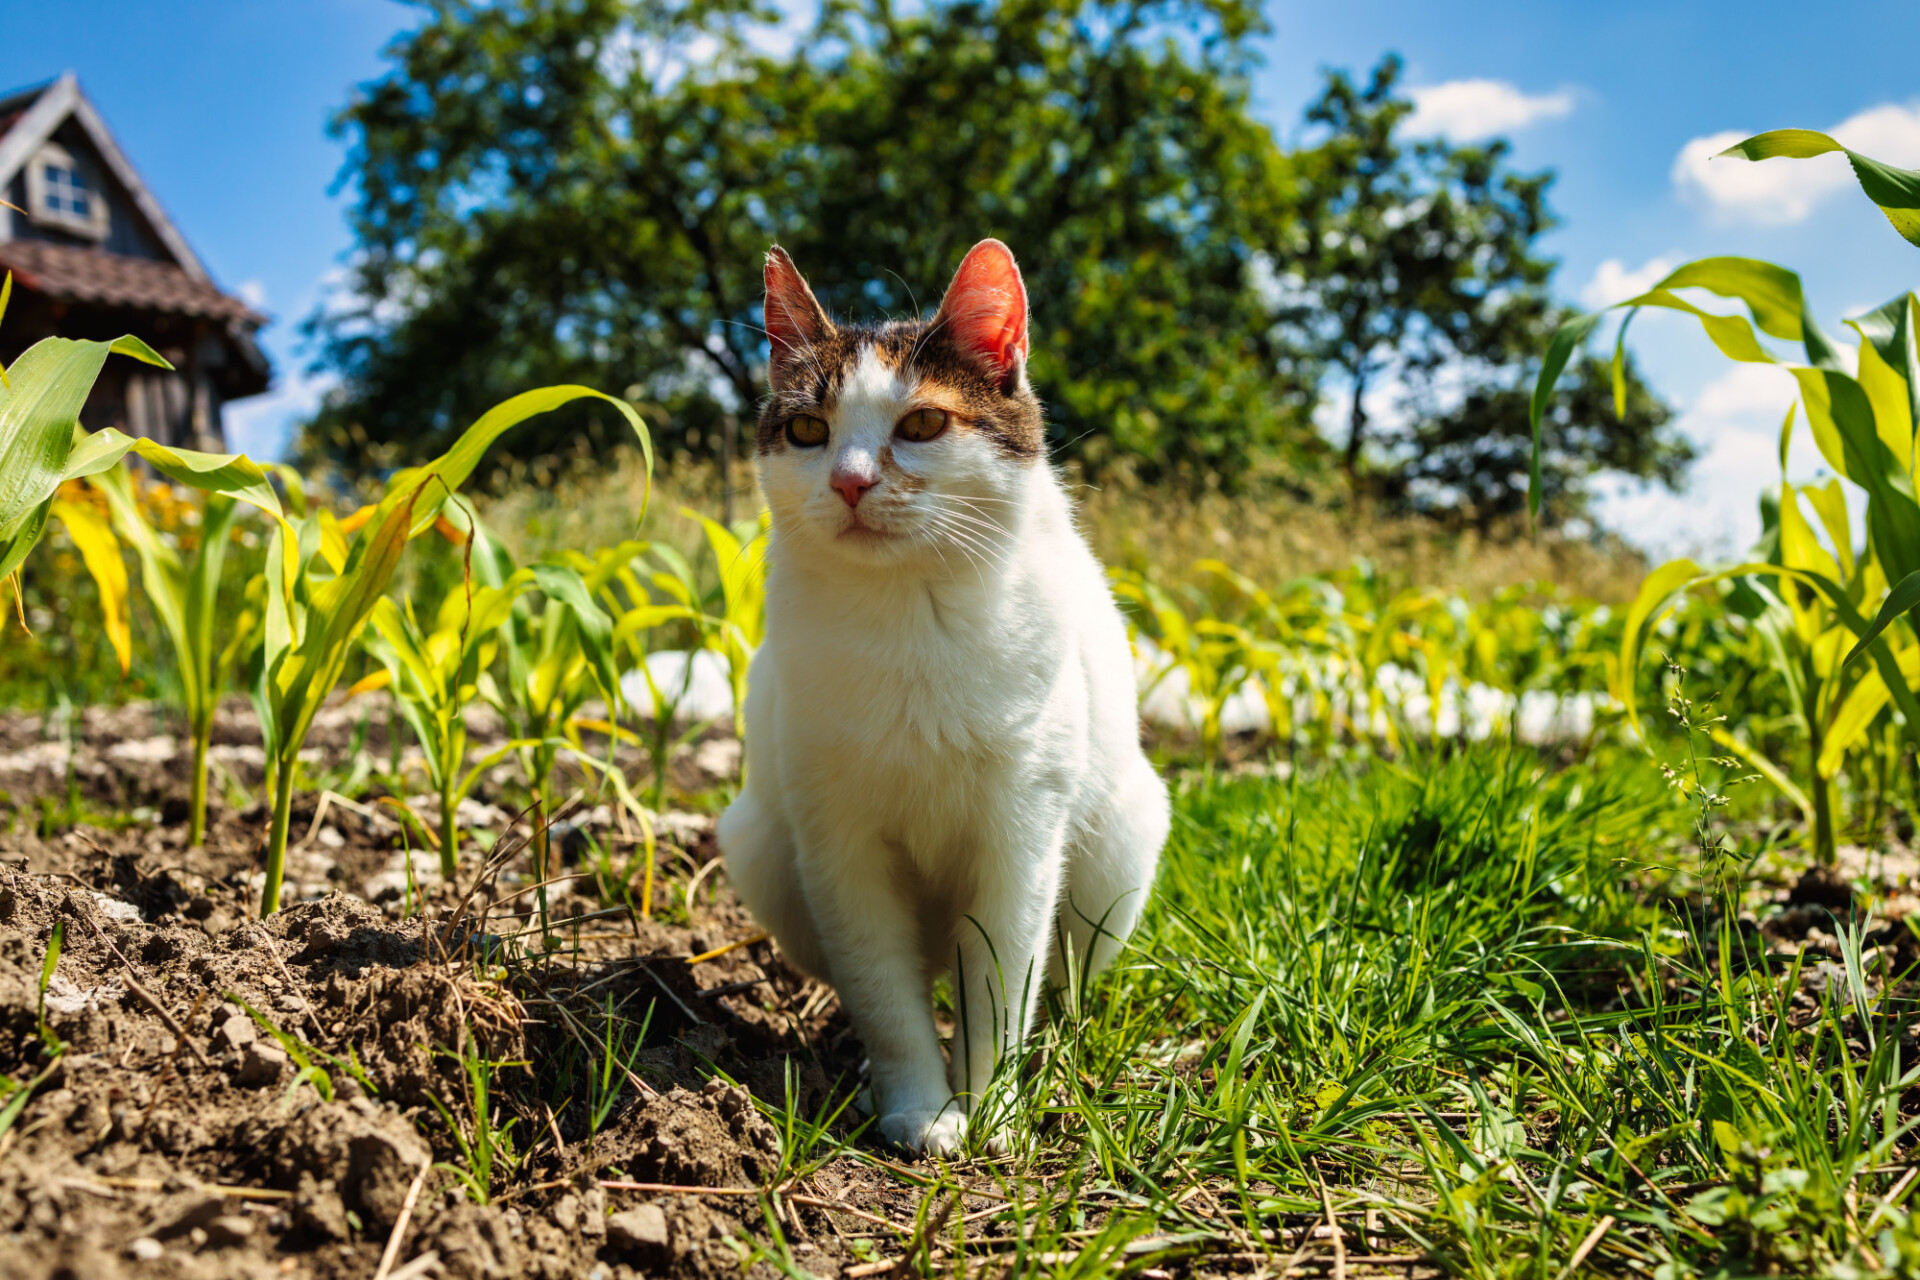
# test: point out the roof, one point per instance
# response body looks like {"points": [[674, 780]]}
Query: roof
{"points": [[28, 119], [71, 274]]}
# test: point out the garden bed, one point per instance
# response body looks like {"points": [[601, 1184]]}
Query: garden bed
{"points": [[394, 1059]]}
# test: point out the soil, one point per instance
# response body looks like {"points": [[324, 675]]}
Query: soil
{"points": [[177, 1134]]}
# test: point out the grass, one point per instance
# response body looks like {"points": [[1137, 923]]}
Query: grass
{"points": [[1465, 1007]]}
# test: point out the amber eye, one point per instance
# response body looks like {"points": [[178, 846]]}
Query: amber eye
{"points": [[807, 431], [922, 425]]}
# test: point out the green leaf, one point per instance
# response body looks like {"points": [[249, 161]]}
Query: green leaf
{"points": [[100, 551], [450, 470], [1895, 191], [1904, 597], [1893, 514], [1893, 331], [1772, 294], [39, 415], [1662, 583], [565, 586], [1565, 342]]}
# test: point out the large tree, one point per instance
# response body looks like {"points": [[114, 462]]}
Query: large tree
{"points": [[1414, 268], [564, 191]]}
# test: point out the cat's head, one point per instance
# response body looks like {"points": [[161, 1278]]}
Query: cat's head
{"points": [[906, 443]]}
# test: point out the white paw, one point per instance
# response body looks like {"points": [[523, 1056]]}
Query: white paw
{"points": [[931, 1133]]}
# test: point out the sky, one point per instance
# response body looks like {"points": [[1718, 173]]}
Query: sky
{"points": [[223, 104]]}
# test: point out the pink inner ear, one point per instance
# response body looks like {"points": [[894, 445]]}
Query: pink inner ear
{"points": [[986, 306], [794, 318]]}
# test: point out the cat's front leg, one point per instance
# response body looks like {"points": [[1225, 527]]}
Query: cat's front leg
{"points": [[1000, 963], [869, 934]]}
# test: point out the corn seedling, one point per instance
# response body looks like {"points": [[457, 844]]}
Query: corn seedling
{"points": [[555, 660], [182, 594], [48, 963], [324, 589], [434, 676]]}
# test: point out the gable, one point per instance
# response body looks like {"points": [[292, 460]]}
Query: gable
{"points": [[66, 170], [55, 134]]}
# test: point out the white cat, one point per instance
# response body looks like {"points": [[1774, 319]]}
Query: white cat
{"points": [[943, 764]]}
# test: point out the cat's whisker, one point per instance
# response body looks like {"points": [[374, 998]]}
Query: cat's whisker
{"points": [[976, 521], [962, 504], [969, 541], [978, 558]]}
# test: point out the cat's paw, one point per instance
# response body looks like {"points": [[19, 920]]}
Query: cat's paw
{"points": [[930, 1133], [995, 1141]]}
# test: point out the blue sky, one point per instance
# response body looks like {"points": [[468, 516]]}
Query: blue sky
{"points": [[222, 104]]}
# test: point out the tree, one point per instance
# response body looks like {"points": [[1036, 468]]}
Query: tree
{"points": [[1415, 266], [551, 192]]}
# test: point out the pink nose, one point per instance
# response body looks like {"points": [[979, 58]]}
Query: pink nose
{"points": [[851, 486]]}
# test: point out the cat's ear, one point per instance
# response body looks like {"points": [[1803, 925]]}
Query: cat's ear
{"points": [[985, 311], [795, 319]]}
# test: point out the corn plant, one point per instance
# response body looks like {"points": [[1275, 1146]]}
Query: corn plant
{"points": [[324, 589], [181, 593], [434, 676], [555, 660], [1813, 598], [739, 553]]}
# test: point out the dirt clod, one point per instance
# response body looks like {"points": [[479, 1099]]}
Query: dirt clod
{"points": [[644, 1228]]}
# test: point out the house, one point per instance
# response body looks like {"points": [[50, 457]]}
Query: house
{"points": [[93, 255]]}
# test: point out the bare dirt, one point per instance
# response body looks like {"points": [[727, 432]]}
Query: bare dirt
{"points": [[176, 1134]]}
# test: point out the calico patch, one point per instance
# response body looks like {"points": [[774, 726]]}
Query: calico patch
{"points": [[970, 359]]}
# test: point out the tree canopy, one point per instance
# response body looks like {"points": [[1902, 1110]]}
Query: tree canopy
{"points": [[584, 191]]}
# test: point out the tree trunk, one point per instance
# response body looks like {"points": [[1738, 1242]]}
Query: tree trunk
{"points": [[1356, 434]]}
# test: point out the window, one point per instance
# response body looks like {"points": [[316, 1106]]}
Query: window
{"points": [[63, 193], [67, 191]]}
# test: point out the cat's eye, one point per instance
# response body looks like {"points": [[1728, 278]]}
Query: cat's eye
{"points": [[921, 425], [807, 431]]}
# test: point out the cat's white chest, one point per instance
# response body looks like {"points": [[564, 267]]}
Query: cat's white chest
{"points": [[928, 679]]}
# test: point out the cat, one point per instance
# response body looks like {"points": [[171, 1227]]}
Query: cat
{"points": [[943, 770]]}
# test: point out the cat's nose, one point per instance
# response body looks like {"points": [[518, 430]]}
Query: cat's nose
{"points": [[851, 485]]}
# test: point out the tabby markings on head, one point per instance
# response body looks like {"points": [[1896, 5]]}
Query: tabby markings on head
{"points": [[970, 359]]}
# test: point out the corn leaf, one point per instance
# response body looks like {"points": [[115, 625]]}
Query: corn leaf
{"points": [[1773, 297], [1903, 598], [100, 552], [39, 416], [1830, 504], [1654, 592], [438, 479], [566, 587], [1856, 713], [1566, 340], [1893, 514], [1892, 330], [1895, 191]]}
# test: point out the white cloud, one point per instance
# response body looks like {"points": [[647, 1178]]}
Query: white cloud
{"points": [[1467, 110], [253, 293], [1782, 192], [1613, 281], [262, 426]]}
